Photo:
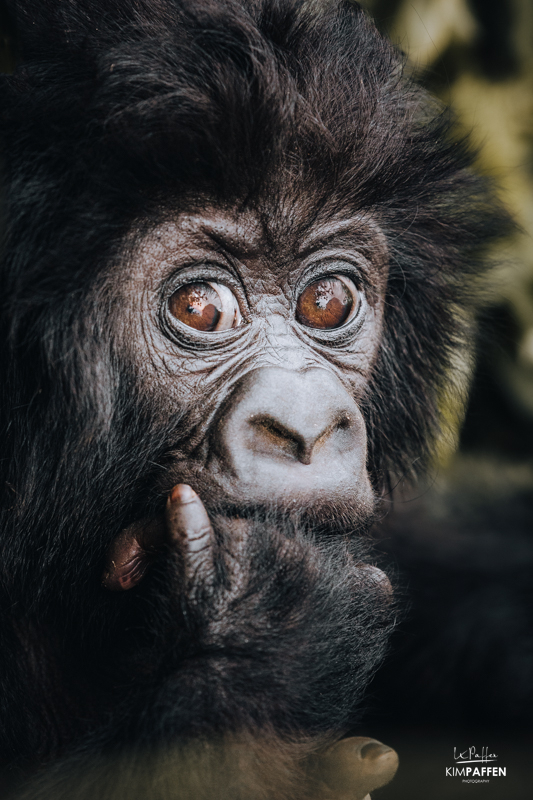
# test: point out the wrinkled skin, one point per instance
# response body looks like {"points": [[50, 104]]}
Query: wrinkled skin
{"points": [[271, 406], [250, 604]]}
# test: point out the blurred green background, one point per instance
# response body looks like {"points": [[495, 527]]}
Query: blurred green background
{"points": [[477, 56]]}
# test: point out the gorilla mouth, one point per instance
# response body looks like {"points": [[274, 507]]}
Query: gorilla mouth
{"points": [[186, 524]]}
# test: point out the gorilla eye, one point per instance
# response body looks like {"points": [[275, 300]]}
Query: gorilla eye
{"points": [[327, 302], [206, 306]]}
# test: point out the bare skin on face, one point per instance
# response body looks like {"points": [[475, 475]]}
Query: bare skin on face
{"points": [[261, 335]]}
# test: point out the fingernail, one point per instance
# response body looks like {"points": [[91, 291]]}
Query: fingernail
{"points": [[182, 493], [375, 750]]}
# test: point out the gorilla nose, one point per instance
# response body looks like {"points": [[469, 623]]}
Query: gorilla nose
{"points": [[292, 435], [274, 438]]}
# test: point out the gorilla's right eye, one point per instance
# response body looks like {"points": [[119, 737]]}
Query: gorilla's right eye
{"points": [[206, 306]]}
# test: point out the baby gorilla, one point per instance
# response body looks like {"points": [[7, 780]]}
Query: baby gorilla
{"points": [[235, 273]]}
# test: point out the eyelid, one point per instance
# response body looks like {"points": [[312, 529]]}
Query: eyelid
{"points": [[202, 270], [329, 265]]}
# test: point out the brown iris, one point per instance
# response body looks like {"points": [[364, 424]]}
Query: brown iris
{"points": [[327, 302], [205, 306]]}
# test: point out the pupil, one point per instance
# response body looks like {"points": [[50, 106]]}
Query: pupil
{"points": [[209, 314]]}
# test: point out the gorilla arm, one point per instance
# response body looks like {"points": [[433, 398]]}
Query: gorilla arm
{"points": [[347, 769]]}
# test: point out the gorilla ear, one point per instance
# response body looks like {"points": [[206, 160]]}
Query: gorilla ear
{"points": [[45, 27]]}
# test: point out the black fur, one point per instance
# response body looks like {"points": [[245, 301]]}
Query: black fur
{"points": [[118, 112]]}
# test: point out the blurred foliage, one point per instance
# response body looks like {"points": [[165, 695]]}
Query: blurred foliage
{"points": [[477, 56]]}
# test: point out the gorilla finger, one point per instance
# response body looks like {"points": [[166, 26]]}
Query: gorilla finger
{"points": [[189, 526], [353, 767], [130, 554]]}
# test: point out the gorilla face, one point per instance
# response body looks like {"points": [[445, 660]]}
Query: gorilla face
{"points": [[261, 342]]}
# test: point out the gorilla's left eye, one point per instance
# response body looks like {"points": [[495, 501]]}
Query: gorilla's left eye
{"points": [[328, 302], [206, 306]]}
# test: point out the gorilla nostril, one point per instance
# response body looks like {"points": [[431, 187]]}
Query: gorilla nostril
{"points": [[340, 430], [344, 423], [271, 437]]}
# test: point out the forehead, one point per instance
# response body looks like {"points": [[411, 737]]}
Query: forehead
{"points": [[282, 230]]}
